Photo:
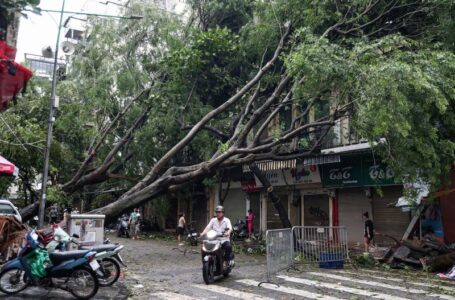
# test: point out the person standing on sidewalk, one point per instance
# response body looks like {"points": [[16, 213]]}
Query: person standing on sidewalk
{"points": [[134, 223], [368, 231], [181, 227], [249, 222]]}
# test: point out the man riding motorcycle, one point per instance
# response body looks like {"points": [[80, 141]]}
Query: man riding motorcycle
{"points": [[221, 225]]}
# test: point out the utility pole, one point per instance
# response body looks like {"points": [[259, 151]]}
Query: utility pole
{"points": [[50, 124]]}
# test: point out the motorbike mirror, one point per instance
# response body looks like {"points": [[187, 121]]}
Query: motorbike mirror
{"points": [[75, 235]]}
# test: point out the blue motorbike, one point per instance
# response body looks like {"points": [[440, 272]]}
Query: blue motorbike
{"points": [[72, 271]]}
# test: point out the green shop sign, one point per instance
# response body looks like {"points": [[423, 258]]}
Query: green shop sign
{"points": [[356, 171]]}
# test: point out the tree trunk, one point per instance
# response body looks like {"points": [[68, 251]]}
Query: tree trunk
{"points": [[29, 211], [272, 196]]}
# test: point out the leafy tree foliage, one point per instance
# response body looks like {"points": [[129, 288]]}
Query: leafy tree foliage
{"points": [[9, 7], [163, 101]]}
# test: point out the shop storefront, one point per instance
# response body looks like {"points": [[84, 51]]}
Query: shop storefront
{"points": [[360, 184], [293, 185]]}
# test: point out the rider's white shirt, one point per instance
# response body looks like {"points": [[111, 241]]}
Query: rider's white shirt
{"points": [[220, 227]]}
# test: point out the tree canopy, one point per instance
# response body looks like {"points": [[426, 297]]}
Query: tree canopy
{"points": [[155, 104]]}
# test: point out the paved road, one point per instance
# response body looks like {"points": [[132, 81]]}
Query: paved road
{"points": [[159, 270], [156, 270]]}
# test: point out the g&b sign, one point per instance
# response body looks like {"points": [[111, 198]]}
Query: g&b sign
{"points": [[356, 171]]}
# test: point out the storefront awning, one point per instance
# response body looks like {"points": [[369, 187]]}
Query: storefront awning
{"points": [[13, 76], [417, 191], [7, 168]]}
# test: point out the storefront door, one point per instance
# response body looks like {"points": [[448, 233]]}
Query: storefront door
{"points": [[316, 210]]}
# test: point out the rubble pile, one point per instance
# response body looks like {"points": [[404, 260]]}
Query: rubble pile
{"points": [[428, 253], [11, 235]]}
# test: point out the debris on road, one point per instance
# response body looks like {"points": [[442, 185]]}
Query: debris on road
{"points": [[448, 275], [11, 235]]}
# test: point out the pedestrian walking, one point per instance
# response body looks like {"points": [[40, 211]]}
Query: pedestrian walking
{"points": [[53, 214], [181, 227], [249, 222], [368, 231], [135, 223]]}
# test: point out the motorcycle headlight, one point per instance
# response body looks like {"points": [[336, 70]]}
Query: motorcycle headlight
{"points": [[207, 248], [210, 246]]}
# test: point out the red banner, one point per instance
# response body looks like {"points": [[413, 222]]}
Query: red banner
{"points": [[13, 76]]}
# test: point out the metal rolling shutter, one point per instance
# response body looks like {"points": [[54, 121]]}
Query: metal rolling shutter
{"points": [[235, 205], [387, 218], [352, 203]]}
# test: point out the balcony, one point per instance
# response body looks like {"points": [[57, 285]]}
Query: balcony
{"points": [[42, 67], [342, 138]]}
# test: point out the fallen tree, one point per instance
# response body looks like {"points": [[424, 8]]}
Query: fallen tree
{"points": [[355, 82], [236, 151]]}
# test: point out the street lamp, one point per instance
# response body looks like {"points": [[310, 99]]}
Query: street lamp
{"points": [[54, 104]]}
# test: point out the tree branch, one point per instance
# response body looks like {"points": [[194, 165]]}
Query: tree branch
{"points": [[97, 174], [93, 149], [260, 111], [152, 175], [214, 131]]}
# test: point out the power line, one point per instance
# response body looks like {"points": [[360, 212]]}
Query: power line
{"points": [[23, 144], [13, 133]]}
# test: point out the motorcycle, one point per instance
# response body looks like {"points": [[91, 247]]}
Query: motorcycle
{"points": [[191, 235], [213, 258], [122, 226], [33, 223], [240, 231], [72, 271], [107, 255]]}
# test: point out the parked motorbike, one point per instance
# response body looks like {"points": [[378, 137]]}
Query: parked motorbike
{"points": [[73, 271], [122, 226], [240, 230], [191, 235], [213, 258], [33, 223], [107, 255]]}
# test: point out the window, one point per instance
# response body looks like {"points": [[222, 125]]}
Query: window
{"points": [[7, 209]]}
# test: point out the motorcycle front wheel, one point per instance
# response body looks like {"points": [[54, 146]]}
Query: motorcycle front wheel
{"points": [[13, 281], [208, 272], [83, 283], [110, 270]]}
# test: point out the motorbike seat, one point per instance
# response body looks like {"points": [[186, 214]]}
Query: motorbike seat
{"points": [[100, 248], [59, 257]]}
